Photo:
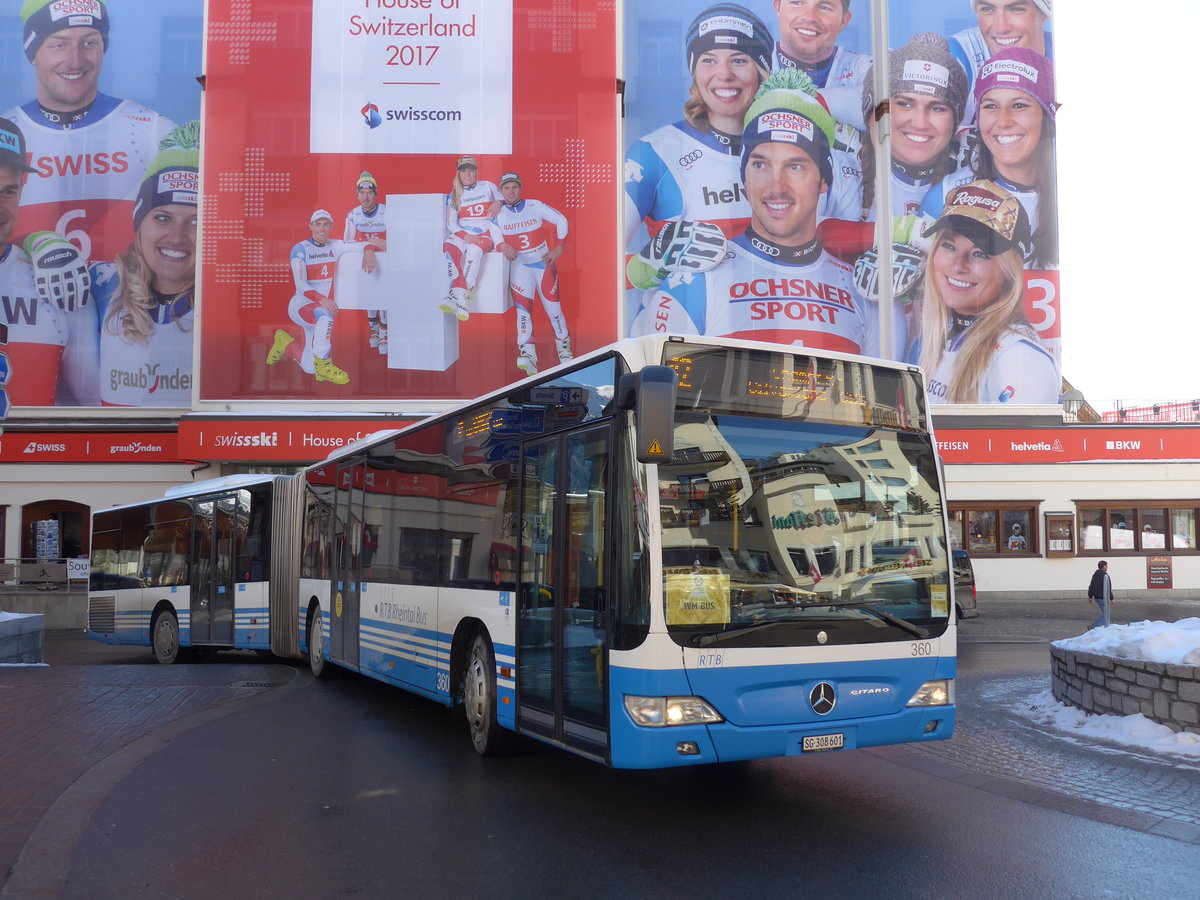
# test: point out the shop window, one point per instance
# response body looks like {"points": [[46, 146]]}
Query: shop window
{"points": [[995, 529], [1153, 533], [1060, 534], [1091, 528], [981, 530], [1183, 529], [1123, 528], [958, 521], [1017, 529]]}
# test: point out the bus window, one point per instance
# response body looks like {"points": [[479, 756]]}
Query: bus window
{"points": [[135, 524], [165, 550], [106, 551]]}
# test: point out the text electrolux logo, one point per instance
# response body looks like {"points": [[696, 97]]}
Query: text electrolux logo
{"points": [[35, 447], [1026, 447], [262, 439]]}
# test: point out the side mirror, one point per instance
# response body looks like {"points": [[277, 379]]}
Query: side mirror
{"points": [[651, 394]]}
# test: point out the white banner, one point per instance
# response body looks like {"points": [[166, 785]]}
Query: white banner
{"points": [[411, 76]]}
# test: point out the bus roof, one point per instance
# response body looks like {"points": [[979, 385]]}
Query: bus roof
{"points": [[216, 485]]}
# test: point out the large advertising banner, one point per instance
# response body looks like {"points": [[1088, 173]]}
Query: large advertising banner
{"points": [[750, 183], [100, 151], [405, 200], [439, 74]]}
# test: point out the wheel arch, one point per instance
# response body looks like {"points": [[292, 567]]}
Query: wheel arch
{"points": [[161, 607], [314, 603], [460, 654]]}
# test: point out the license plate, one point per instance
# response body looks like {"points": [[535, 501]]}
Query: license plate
{"points": [[815, 742]]}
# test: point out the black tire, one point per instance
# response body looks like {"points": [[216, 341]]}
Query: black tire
{"points": [[317, 663], [164, 637], [479, 698]]}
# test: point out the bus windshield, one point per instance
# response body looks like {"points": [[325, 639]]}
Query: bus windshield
{"points": [[802, 505]]}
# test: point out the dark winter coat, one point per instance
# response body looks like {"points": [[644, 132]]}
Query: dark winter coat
{"points": [[1101, 586]]}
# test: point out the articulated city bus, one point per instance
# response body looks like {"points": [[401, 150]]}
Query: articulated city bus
{"points": [[191, 572], [672, 551]]}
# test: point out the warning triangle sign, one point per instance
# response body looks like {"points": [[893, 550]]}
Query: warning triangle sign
{"points": [[655, 449]]}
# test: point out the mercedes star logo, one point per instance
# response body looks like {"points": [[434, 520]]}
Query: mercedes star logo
{"points": [[822, 698]]}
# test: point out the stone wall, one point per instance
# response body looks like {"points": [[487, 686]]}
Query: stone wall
{"points": [[63, 610], [1166, 693]]}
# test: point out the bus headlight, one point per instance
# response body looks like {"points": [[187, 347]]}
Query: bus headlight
{"points": [[934, 693], [659, 712]]}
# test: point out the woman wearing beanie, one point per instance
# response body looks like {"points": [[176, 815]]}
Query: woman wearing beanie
{"points": [[1014, 94], [144, 301], [976, 345], [689, 171], [928, 91]]}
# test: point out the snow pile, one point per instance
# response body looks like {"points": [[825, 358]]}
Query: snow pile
{"points": [[1135, 730], [1177, 643]]}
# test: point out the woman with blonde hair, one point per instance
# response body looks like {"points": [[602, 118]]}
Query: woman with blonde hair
{"points": [[683, 180], [471, 206], [144, 300], [975, 344]]}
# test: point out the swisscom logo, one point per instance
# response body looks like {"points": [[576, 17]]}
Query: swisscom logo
{"points": [[370, 114]]}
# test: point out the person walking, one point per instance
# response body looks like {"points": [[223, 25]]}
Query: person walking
{"points": [[1100, 590]]}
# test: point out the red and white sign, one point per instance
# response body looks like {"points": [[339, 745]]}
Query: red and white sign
{"points": [[1068, 444], [59, 447], [305, 441]]}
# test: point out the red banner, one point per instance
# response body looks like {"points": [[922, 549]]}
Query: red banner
{"points": [[1069, 444], [304, 441], [60, 447]]}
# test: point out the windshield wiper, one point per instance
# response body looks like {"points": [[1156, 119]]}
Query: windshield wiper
{"points": [[903, 624], [716, 637]]}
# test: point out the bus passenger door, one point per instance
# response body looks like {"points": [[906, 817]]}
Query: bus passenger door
{"points": [[347, 564], [212, 585], [561, 633]]}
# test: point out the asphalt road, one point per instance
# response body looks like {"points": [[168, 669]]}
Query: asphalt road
{"points": [[349, 788]]}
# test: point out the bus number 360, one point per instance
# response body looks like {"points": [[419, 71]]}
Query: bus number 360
{"points": [[443, 682], [922, 648]]}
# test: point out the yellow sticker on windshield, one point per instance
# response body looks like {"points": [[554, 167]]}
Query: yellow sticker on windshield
{"points": [[939, 605], [697, 597]]}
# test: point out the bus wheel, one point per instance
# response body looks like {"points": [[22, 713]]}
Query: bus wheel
{"points": [[479, 697], [316, 644], [165, 637]]}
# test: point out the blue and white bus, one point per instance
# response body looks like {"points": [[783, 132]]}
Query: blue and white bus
{"points": [[192, 571], [672, 551]]}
